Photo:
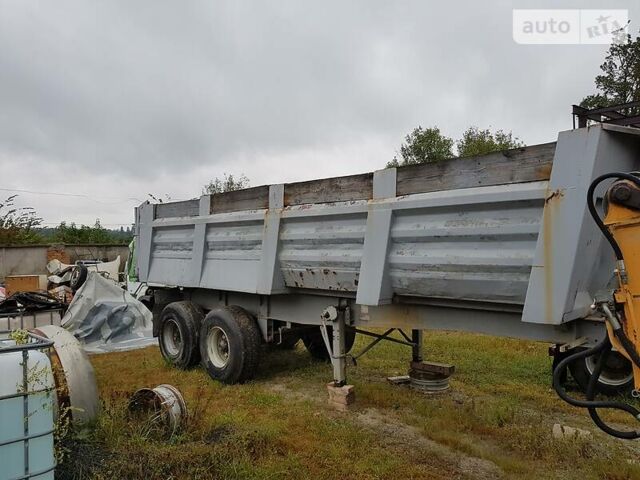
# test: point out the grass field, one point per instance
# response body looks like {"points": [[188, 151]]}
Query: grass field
{"points": [[495, 422]]}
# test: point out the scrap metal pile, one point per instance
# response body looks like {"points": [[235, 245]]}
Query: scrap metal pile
{"points": [[86, 299]]}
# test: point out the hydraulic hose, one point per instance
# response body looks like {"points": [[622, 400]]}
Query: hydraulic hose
{"points": [[594, 213], [591, 392], [618, 332], [564, 364], [602, 349]]}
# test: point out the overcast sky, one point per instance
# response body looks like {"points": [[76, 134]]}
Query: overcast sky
{"points": [[115, 100]]}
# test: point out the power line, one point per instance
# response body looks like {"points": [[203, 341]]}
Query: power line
{"points": [[102, 224], [77, 195]]}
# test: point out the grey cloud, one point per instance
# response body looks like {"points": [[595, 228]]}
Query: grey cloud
{"points": [[148, 88]]}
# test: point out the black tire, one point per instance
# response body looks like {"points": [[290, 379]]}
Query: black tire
{"points": [[78, 277], [230, 345], [156, 314], [616, 378], [178, 333], [315, 345]]}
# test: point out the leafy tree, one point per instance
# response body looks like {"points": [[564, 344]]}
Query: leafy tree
{"points": [[18, 225], [423, 145], [479, 142], [227, 183], [429, 145], [619, 81], [72, 234]]}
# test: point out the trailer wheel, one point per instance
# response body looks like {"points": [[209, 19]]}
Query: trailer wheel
{"points": [[314, 343], [178, 336], [230, 344], [616, 377]]}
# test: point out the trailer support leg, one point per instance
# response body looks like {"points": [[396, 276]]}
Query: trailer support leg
{"points": [[339, 360], [341, 395], [416, 339]]}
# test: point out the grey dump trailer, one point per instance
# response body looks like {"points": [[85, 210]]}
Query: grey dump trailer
{"points": [[500, 244]]}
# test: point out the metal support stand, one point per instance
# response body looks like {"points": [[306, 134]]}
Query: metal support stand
{"points": [[428, 377], [339, 357], [416, 350], [341, 395]]}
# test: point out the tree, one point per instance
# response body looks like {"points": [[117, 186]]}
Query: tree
{"points": [[619, 81], [72, 234], [429, 145], [423, 146], [479, 142], [227, 183], [18, 225]]}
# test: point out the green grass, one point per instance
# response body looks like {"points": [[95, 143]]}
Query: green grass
{"points": [[495, 421]]}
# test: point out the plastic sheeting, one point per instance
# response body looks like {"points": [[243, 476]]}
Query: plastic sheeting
{"points": [[106, 318]]}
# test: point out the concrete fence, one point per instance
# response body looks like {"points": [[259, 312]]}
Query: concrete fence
{"points": [[32, 260]]}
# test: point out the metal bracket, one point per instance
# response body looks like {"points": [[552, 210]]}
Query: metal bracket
{"points": [[330, 313], [571, 345], [378, 339]]}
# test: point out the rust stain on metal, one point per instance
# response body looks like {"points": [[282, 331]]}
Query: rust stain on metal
{"points": [[551, 204], [556, 194]]}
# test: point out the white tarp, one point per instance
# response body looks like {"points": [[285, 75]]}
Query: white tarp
{"points": [[106, 318]]}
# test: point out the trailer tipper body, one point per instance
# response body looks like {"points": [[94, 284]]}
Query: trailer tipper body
{"points": [[502, 244]]}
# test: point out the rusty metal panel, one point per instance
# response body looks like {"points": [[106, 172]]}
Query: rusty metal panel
{"points": [[322, 251]]}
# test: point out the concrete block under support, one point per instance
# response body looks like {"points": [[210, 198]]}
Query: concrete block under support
{"points": [[341, 397]]}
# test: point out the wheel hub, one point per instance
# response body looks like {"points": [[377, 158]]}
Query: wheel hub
{"points": [[617, 370], [218, 347], [172, 338]]}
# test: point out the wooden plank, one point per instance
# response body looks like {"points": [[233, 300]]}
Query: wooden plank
{"points": [[247, 199], [527, 164], [434, 367], [186, 208], [337, 189]]}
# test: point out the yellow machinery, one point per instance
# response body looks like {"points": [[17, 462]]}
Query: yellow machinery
{"points": [[623, 221], [620, 307]]}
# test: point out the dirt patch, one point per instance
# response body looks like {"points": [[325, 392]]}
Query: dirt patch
{"points": [[396, 432]]}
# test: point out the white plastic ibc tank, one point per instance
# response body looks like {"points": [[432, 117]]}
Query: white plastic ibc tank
{"points": [[34, 458]]}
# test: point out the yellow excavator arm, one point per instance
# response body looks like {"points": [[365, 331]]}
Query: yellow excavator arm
{"points": [[622, 220]]}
